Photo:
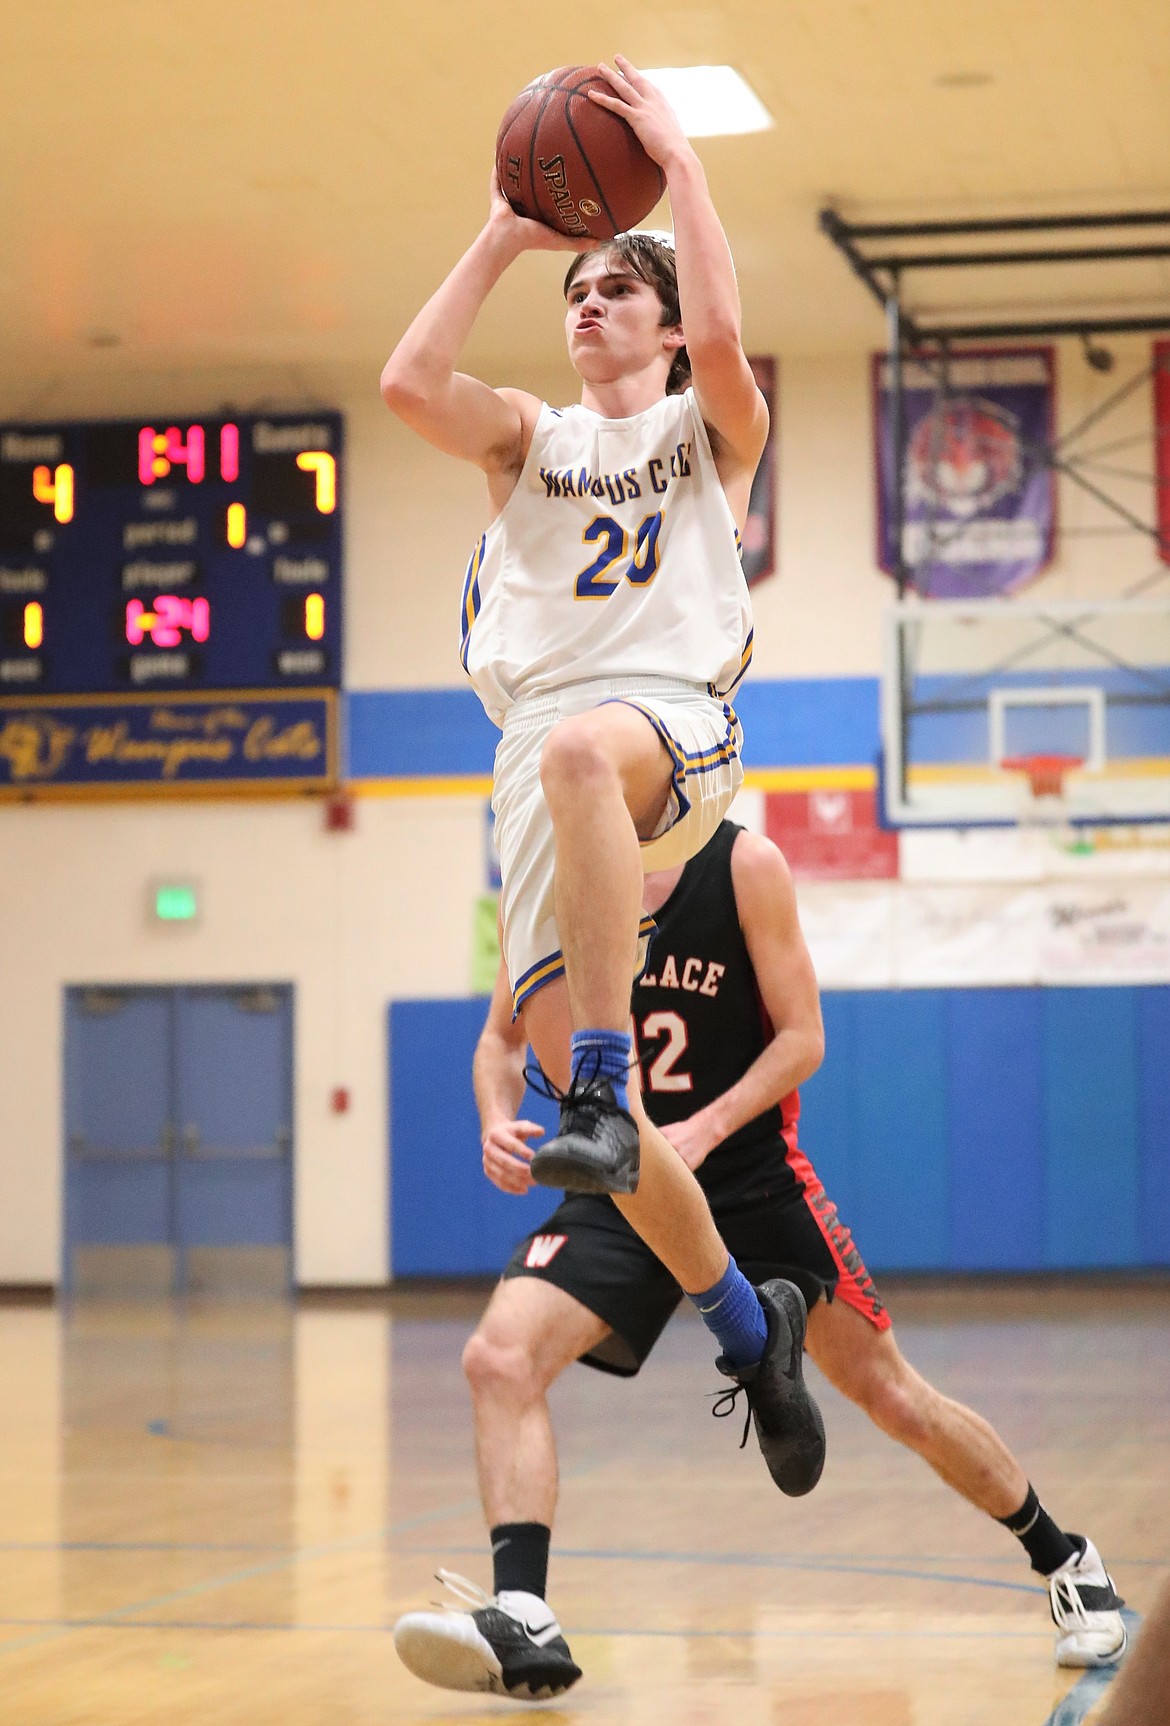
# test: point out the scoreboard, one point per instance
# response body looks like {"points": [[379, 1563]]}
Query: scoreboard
{"points": [[176, 555]]}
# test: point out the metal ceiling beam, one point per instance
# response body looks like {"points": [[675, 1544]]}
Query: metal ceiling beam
{"points": [[884, 273], [1040, 327], [1049, 255], [992, 225]]}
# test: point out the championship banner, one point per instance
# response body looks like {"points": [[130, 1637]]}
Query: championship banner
{"points": [[1162, 445], [759, 530], [979, 497], [90, 745]]}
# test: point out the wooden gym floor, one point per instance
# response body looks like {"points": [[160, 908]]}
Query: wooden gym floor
{"points": [[212, 1514]]}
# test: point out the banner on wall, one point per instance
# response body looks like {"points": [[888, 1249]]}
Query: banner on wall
{"points": [[831, 835], [851, 934], [1162, 445], [95, 746], [979, 497], [759, 530], [1118, 931], [968, 937]]}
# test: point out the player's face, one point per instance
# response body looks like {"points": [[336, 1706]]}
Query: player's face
{"points": [[613, 320]]}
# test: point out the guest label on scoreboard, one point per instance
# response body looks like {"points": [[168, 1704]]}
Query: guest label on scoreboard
{"points": [[171, 554]]}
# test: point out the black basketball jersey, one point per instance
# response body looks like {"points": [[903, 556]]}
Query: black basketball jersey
{"points": [[700, 1023]]}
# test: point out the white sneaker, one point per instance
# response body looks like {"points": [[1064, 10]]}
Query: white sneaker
{"points": [[1086, 1609], [508, 1646]]}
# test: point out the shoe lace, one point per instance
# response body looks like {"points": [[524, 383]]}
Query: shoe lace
{"points": [[726, 1398], [1068, 1609], [583, 1087], [467, 1594]]}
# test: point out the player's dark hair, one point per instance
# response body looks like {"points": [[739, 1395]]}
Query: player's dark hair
{"points": [[652, 261]]}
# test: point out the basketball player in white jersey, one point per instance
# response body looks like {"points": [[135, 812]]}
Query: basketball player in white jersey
{"points": [[605, 620]]}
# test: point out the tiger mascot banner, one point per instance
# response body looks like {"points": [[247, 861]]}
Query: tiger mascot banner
{"points": [[977, 486]]}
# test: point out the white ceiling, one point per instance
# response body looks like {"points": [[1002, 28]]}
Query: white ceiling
{"points": [[218, 183]]}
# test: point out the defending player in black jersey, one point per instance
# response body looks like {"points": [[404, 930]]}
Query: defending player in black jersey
{"points": [[728, 1024]]}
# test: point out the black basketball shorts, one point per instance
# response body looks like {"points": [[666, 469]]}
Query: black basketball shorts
{"points": [[588, 1249]]}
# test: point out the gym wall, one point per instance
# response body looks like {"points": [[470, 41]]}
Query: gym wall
{"points": [[358, 919]]}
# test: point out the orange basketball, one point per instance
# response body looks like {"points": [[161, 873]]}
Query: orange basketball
{"points": [[578, 168]]}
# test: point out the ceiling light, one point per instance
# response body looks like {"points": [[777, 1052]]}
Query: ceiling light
{"points": [[711, 101]]}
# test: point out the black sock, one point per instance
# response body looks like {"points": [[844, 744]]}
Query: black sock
{"points": [[520, 1557], [1047, 1546]]}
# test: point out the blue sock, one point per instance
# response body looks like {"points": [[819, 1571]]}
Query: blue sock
{"points": [[604, 1055], [732, 1313]]}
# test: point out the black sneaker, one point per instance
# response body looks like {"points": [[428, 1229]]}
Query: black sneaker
{"points": [[596, 1146], [509, 1646], [788, 1421]]}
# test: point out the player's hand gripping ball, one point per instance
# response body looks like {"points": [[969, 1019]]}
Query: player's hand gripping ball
{"points": [[572, 164]]}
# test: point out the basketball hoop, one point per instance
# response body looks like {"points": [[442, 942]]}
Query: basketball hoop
{"points": [[1045, 772], [1041, 801]]}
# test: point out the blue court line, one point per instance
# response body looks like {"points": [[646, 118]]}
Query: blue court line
{"points": [[1003, 1558], [1085, 1693], [1089, 1689], [577, 1631], [135, 1546], [759, 1561], [293, 1555], [124, 1615]]}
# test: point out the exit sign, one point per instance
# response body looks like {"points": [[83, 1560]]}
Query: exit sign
{"points": [[175, 901]]}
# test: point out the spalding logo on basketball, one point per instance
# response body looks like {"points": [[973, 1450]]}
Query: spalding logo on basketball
{"points": [[963, 458], [576, 167]]}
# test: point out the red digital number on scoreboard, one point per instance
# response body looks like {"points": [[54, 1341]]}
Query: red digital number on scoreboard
{"points": [[165, 622], [161, 451]]}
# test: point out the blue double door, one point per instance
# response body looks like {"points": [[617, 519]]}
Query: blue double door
{"points": [[178, 1120]]}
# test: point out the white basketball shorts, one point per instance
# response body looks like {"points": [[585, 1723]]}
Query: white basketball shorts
{"points": [[703, 738]]}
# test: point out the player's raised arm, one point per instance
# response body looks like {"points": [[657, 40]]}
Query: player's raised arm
{"points": [[459, 414], [725, 389]]}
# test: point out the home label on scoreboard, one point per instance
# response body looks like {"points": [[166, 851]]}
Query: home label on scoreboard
{"points": [[172, 555]]}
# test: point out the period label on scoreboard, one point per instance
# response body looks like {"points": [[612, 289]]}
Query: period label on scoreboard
{"points": [[184, 744], [164, 557]]}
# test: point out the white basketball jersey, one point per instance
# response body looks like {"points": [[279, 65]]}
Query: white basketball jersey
{"points": [[615, 556]]}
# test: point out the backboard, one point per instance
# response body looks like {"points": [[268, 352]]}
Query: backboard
{"points": [[968, 686]]}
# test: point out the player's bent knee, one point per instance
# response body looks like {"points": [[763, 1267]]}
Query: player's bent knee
{"points": [[495, 1368], [572, 757]]}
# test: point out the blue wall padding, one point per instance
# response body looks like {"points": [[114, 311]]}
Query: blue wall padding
{"points": [[995, 1118], [788, 722], [400, 733], [446, 1217], [1090, 1106], [956, 1129], [1153, 1034], [809, 721], [901, 1076], [797, 722]]}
